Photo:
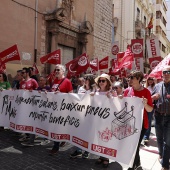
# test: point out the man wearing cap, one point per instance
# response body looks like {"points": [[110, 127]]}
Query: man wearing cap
{"points": [[162, 117]]}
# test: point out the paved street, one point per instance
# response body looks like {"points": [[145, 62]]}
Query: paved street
{"points": [[14, 156]]}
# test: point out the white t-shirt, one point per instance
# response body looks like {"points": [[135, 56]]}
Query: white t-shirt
{"points": [[83, 90]]}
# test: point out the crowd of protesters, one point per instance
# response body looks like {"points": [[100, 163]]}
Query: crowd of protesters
{"points": [[155, 94]]}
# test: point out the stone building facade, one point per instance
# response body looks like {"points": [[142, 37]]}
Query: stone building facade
{"points": [[74, 26]]}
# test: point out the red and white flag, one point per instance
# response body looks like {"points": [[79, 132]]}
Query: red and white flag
{"points": [[94, 64], [36, 71], [104, 63], [137, 48], [9, 54], [51, 77], [78, 65], [120, 55], [115, 49], [114, 70], [2, 68], [127, 60], [154, 62], [153, 47], [52, 58], [157, 71]]}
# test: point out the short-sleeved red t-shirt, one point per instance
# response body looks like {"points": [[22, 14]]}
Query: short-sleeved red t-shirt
{"points": [[130, 92], [29, 84], [64, 87]]}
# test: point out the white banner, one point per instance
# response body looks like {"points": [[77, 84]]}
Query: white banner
{"points": [[102, 126], [153, 47]]}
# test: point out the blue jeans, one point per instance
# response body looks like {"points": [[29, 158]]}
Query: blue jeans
{"points": [[162, 127], [147, 134]]}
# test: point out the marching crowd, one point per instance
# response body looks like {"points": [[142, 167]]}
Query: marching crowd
{"points": [[155, 94]]}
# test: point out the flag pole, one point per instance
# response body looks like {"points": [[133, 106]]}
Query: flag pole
{"points": [[98, 66]]}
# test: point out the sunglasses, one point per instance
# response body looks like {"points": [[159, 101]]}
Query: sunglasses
{"points": [[103, 81], [166, 72], [131, 77], [115, 88], [57, 70]]}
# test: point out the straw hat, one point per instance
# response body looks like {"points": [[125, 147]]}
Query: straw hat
{"points": [[103, 76]]}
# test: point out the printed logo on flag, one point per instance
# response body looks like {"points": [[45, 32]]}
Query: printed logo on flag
{"points": [[115, 49], [82, 61], [137, 48]]}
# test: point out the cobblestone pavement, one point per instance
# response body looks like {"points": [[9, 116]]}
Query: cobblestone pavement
{"points": [[14, 156]]}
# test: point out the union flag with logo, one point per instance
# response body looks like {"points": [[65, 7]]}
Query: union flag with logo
{"points": [[77, 65], [104, 63], [52, 58], [137, 48], [9, 54]]}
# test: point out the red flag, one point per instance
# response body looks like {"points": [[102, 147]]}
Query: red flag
{"points": [[157, 71], [104, 63], [78, 65], [137, 47], [94, 64], [51, 77], [52, 58], [120, 55], [150, 25], [2, 68], [154, 61], [9, 54], [36, 71], [127, 60], [114, 67]]}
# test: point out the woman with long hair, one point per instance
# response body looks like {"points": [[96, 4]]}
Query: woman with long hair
{"points": [[4, 84], [138, 90]]}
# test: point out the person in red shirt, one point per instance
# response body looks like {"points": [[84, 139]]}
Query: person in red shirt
{"points": [[138, 90], [61, 84], [28, 84]]}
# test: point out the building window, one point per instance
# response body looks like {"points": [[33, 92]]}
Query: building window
{"points": [[164, 21], [164, 8], [138, 14], [163, 34], [163, 48], [158, 14]]}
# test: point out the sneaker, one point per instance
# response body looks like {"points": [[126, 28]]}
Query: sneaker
{"points": [[27, 143], [85, 155], [53, 152], [25, 138], [45, 142], [76, 154], [62, 144], [146, 141]]}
